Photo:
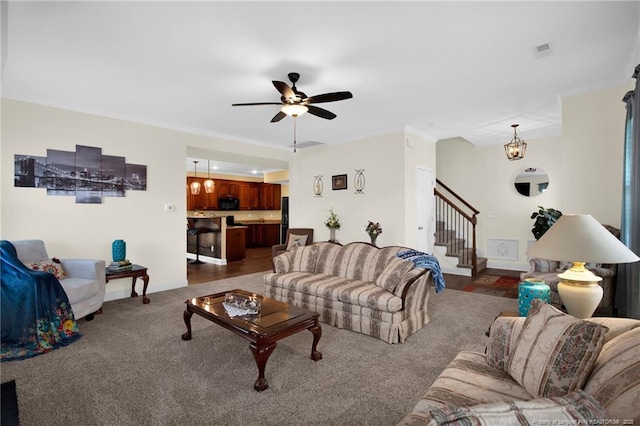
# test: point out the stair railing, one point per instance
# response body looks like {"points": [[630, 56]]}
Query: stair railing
{"points": [[459, 217]]}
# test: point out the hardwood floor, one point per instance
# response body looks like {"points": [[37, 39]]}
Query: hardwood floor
{"points": [[256, 260], [259, 260]]}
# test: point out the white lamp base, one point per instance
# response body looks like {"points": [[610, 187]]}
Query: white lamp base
{"points": [[579, 290], [581, 300]]}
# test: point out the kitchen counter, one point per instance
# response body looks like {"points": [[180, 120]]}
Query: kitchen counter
{"points": [[259, 222]]}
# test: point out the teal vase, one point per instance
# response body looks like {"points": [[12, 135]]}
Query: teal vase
{"points": [[119, 250]]}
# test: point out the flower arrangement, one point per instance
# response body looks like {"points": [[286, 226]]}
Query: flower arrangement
{"points": [[374, 229], [332, 222]]}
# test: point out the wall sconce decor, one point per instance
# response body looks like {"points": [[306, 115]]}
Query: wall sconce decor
{"points": [[338, 182], [516, 148], [317, 186], [358, 181], [87, 174]]}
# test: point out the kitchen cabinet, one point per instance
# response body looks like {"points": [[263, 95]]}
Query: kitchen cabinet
{"points": [[249, 195], [263, 234], [236, 243], [228, 188], [270, 196]]}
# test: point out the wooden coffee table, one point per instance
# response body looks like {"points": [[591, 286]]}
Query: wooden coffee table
{"points": [[275, 321]]}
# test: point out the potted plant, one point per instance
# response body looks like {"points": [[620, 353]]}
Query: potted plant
{"points": [[544, 219], [333, 223]]}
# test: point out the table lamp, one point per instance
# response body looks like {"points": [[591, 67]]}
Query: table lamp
{"points": [[580, 239]]}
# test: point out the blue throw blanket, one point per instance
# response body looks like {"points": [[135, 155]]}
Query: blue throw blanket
{"points": [[36, 315], [426, 261]]}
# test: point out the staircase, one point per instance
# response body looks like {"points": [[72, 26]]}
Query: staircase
{"points": [[455, 236], [453, 254]]}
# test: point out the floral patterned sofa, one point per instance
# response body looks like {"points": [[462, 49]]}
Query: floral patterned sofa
{"points": [[357, 287], [547, 368]]}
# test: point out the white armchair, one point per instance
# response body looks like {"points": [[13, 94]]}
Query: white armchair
{"points": [[85, 281]]}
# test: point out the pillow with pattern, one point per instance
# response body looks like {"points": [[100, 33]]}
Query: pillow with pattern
{"points": [[296, 241], [52, 266], [554, 352]]}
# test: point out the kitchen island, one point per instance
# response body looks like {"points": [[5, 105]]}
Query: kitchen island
{"points": [[210, 242], [228, 243]]}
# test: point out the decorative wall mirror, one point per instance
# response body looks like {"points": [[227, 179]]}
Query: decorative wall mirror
{"points": [[531, 181]]}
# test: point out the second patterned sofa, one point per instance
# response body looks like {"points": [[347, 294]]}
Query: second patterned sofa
{"points": [[357, 287]]}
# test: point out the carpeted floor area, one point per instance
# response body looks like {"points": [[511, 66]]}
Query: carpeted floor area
{"points": [[131, 367], [495, 285]]}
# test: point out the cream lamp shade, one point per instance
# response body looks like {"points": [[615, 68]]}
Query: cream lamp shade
{"points": [[580, 239]]}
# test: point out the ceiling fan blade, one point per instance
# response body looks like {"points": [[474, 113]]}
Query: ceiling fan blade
{"points": [[327, 97], [258, 103], [284, 89], [320, 112], [279, 116]]}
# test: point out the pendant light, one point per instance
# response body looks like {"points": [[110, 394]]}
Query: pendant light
{"points": [[209, 184], [195, 185], [516, 148]]}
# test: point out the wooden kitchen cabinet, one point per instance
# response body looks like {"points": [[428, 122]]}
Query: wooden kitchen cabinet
{"points": [[270, 196], [228, 188], [249, 195], [263, 235]]}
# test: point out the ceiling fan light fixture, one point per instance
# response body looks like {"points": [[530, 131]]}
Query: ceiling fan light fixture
{"points": [[294, 110]]}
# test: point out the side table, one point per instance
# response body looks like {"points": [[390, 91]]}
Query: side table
{"points": [[134, 273]]}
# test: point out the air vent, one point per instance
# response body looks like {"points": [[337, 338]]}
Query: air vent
{"points": [[542, 50], [306, 144]]}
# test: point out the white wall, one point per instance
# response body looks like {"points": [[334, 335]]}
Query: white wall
{"points": [[383, 200], [154, 238], [584, 167]]}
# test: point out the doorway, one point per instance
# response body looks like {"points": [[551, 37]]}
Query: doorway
{"points": [[425, 209]]}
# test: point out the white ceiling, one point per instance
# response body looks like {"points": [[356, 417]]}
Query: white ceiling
{"points": [[441, 69]]}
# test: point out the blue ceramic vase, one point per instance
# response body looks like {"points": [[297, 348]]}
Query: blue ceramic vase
{"points": [[119, 250]]}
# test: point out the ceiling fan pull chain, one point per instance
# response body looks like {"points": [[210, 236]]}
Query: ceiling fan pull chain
{"points": [[294, 132]]}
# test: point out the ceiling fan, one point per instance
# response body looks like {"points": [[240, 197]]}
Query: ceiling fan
{"points": [[295, 103]]}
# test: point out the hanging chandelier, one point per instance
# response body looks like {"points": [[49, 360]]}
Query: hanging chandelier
{"points": [[516, 148], [209, 184], [195, 185]]}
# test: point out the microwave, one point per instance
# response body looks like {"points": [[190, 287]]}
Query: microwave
{"points": [[228, 203]]}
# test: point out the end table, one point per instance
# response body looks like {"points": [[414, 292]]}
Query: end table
{"points": [[134, 273]]}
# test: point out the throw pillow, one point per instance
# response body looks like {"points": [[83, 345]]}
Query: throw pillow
{"points": [[296, 241], [575, 408], [554, 352], [563, 266], [392, 273], [52, 266]]}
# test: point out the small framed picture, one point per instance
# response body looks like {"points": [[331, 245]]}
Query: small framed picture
{"points": [[339, 182]]}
